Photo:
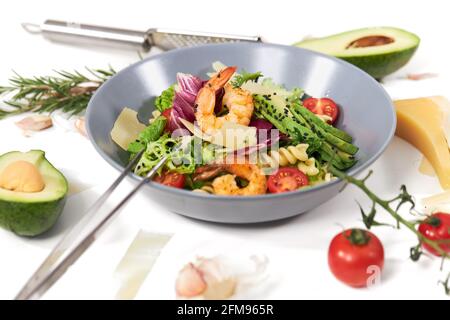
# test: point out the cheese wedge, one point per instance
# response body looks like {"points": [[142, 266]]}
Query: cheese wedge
{"points": [[423, 123]]}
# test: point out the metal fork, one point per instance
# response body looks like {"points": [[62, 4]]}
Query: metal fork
{"points": [[81, 236]]}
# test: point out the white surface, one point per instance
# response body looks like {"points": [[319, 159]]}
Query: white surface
{"points": [[297, 247]]}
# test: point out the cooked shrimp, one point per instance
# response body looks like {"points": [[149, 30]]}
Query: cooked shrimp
{"points": [[239, 103], [226, 184]]}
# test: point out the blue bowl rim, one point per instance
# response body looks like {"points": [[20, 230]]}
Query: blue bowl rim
{"points": [[183, 192]]}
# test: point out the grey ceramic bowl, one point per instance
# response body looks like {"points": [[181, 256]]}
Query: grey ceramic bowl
{"points": [[367, 114]]}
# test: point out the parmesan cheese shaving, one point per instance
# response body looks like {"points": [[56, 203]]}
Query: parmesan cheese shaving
{"points": [[232, 136], [126, 129], [444, 105], [437, 199]]}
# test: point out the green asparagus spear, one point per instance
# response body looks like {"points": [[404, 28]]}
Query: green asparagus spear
{"points": [[312, 118], [335, 141], [337, 159], [302, 134], [319, 129]]}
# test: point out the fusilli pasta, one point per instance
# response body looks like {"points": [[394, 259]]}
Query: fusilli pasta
{"points": [[291, 155], [205, 189]]}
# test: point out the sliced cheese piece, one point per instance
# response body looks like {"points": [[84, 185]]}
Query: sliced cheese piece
{"points": [[232, 136], [126, 128], [437, 199], [444, 105], [138, 261], [437, 202], [196, 130], [235, 136], [426, 168], [421, 122]]}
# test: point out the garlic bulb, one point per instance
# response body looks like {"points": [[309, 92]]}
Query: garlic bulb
{"points": [[190, 282], [218, 277]]}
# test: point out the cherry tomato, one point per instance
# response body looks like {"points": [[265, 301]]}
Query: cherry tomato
{"points": [[436, 227], [355, 256], [286, 179], [171, 179], [167, 114], [323, 106]]}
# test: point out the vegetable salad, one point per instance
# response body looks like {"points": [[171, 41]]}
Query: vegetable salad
{"points": [[238, 133]]}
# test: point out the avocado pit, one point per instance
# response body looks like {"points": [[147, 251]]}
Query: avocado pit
{"points": [[370, 41], [22, 176], [32, 193]]}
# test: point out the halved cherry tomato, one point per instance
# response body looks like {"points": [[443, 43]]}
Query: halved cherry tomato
{"points": [[167, 114], [323, 106], [355, 257], [286, 179], [437, 228], [171, 179]]}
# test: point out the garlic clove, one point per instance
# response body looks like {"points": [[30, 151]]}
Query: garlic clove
{"points": [[190, 282], [80, 125], [35, 123], [206, 278]]}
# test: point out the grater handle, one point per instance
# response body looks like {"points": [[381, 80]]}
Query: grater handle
{"points": [[86, 34]]}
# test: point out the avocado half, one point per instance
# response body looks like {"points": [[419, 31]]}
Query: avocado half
{"points": [[31, 214], [379, 51]]}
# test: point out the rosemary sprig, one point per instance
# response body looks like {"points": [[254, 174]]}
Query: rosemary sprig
{"points": [[66, 91], [392, 207]]}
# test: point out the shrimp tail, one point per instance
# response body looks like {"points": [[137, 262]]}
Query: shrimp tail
{"points": [[219, 80]]}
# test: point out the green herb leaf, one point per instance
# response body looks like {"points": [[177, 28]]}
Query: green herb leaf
{"points": [[240, 79], [151, 133], [165, 100]]}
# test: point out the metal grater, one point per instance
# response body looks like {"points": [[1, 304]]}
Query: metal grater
{"points": [[165, 39]]}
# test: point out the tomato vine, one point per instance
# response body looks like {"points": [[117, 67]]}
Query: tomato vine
{"points": [[392, 206]]}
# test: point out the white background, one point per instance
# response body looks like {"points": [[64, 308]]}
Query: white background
{"points": [[302, 240]]}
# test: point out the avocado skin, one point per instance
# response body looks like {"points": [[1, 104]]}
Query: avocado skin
{"points": [[30, 219], [378, 63], [381, 65]]}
